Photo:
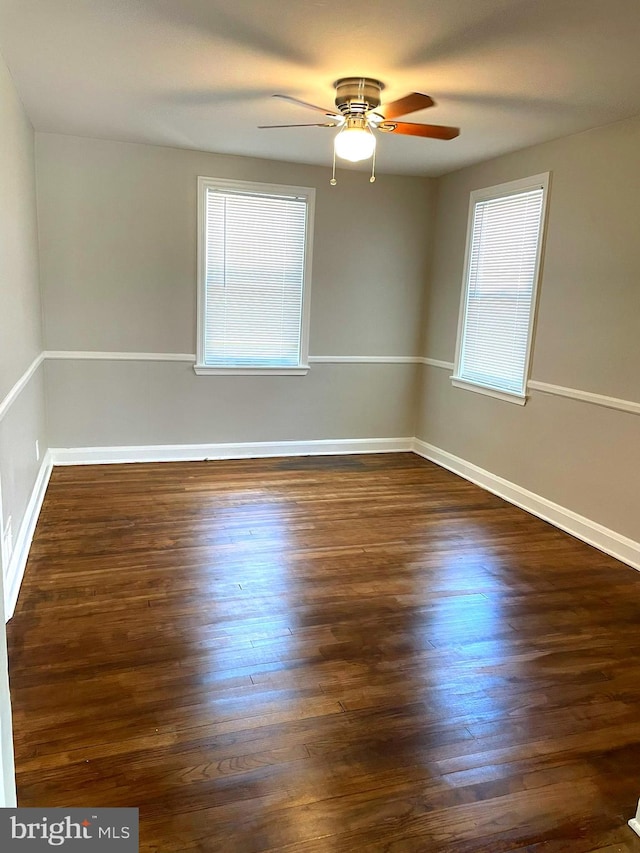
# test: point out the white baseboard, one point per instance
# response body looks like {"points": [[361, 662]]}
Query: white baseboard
{"points": [[601, 537], [230, 450], [18, 561], [634, 823]]}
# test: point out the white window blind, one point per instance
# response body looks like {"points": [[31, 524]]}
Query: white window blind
{"points": [[254, 267], [500, 282]]}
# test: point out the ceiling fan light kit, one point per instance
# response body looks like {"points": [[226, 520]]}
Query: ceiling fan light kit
{"points": [[360, 112], [355, 140]]}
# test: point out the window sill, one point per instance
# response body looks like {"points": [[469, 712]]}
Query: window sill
{"points": [[507, 396], [207, 370]]}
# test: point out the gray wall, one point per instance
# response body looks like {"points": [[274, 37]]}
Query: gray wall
{"points": [[20, 333], [118, 268], [20, 342], [20, 312], [582, 456]]}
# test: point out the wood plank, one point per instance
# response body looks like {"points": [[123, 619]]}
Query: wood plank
{"points": [[325, 653]]}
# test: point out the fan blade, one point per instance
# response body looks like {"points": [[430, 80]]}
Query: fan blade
{"points": [[269, 126], [432, 131], [306, 104], [403, 106]]}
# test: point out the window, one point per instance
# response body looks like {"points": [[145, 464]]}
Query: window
{"points": [[504, 243], [254, 269]]}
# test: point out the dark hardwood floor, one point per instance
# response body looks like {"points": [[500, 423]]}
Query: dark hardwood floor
{"points": [[325, 655]]}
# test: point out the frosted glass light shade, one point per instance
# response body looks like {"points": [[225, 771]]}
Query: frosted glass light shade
{"points": [[355, 144]]}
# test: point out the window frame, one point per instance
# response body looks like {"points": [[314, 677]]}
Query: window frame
{"points": [[257, 188], [540, 181]]}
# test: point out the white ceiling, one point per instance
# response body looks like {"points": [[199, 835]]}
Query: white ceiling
{"points": [[200, 73]]}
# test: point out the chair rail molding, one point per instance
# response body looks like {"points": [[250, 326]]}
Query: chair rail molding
{"points": [[20, 385], [96, 355], [585, 396], [436, 362], [617, 403]]}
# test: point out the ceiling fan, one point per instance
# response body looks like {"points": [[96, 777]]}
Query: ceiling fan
{"points": [[360, 112]]}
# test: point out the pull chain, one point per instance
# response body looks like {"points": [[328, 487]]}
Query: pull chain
{"points": [[372, 179], [333, 181]]}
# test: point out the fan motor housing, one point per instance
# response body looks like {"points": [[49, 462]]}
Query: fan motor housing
{"points": [[357, 94]]}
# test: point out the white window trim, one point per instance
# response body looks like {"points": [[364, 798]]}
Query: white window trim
{"points": [[208, 370], [309, 193], [543, 181], [498, 393]]}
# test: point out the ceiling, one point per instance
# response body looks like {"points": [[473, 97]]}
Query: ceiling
{"points": [[200, 73]]}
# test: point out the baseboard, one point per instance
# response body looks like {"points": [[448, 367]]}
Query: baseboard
{"points": [[615, 544], [634, 823], [230, 450], [18, 561]]}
